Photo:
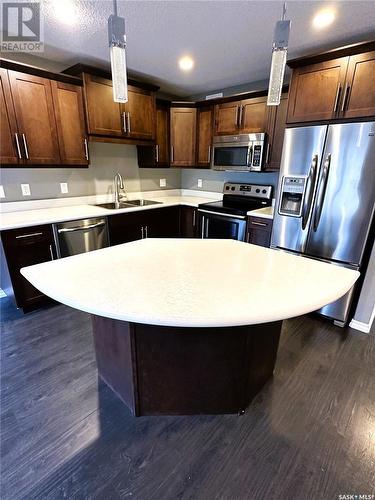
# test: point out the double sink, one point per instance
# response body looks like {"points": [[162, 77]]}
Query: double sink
{"points": [[128, 204]]}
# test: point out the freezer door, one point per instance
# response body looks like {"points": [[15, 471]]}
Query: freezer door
{"points": [[301, 158], [345, 197]]}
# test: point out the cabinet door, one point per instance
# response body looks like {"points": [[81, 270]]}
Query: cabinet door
{"points": [[253, 115], [162, 136], [8, 126], [32, 98], [103, 114], [359, 99], [204, 135], [316, 91], [162, 223], [140, 114], [259, 231], [188, 216], [226, 118], [22, 248], [68, 104], [275, 130], [183, 136], [126, 227]]}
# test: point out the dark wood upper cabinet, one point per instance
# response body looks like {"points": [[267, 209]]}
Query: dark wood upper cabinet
{"points": [[157, 155], [8, 125], [227, 117], [104, 116], [316, 91], [32, 98], [276, 122], [253, 115], [183, 136], [359, 97], [205, 120], [140, 114], [68, 104]]}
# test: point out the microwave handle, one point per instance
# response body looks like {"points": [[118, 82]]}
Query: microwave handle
{"points": [[249, 158]]}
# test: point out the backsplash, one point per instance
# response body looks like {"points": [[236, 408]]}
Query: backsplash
{"points": [[106, 160]]}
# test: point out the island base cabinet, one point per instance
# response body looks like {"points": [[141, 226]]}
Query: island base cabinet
{"points": [[160, 370]]}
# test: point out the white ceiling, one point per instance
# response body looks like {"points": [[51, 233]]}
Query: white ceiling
{"points": [[229, 40]]}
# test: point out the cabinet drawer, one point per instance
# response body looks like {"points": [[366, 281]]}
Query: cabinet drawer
{"points": [[259, 231]]}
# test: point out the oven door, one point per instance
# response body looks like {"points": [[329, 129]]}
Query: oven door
{"points": [[232, 156], [221, 226]]}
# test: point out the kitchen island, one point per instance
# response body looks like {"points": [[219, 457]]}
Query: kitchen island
{"points": [[188, 326]]}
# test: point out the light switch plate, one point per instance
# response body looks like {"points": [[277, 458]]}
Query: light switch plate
{"points": [[64, 187], [163, 183], [25, 188], [200, 183], [2, 193]]}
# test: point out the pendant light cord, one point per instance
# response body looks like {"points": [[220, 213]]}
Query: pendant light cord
{"points": [[115, 7]]}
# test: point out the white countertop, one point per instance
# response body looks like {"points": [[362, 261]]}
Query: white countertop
{"points": [[25, 218], [264, 213], [191, 282]]}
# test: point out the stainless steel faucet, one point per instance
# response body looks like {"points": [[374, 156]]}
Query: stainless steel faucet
{"points": [[118, 184]]}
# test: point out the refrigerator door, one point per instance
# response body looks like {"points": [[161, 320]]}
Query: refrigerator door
{"points": [[301, 158], [345, 197]]}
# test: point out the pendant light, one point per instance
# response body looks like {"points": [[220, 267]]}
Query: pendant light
{"points": [[117, 46], [279, 52]]}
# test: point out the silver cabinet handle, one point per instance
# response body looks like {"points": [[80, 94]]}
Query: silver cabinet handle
{"points": [[194, 217], [157, 153], [86, 149], [25, 146], [146, 231], [142, 233], [51, 252], [129, 129], [124, 122], [258, 223], [172, 154], [337, 98], [18, 146], [209, 154], [27, 235], [80, 228], [345, 99], [241, 116], [237, 116], [268, 153], [202, 234]]}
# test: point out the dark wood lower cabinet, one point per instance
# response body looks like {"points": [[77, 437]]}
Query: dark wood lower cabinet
{"points": [[259, 231], [163, 370], [21, 248], [188, 217]]}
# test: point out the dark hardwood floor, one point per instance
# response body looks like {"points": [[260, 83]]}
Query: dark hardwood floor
{"points": [[310, 434]]}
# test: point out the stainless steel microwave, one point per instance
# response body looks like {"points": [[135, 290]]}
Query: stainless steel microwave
{"points": [[242, 152]]}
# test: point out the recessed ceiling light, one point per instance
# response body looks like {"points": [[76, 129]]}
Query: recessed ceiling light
{"points": [[323, 19], [65, 12], [186, 63]]}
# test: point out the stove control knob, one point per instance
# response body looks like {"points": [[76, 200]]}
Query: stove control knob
{"points": [[264, 191], [233, 188], [227, 187], [257, 190]]}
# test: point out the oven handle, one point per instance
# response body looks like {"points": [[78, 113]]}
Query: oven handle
{"points": [[242, 217]]}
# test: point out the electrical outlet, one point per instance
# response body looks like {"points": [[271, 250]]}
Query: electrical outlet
{"points": [[25, 188], [64, 187], [2, 194], [163, 183], [200, 183]]}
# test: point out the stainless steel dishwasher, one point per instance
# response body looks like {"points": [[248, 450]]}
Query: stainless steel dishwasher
{"points": [[79, 236]]}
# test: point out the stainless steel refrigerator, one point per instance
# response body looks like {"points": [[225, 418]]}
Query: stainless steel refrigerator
{"points": [[326, 197]]}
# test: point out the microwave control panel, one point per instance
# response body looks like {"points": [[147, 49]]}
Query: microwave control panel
{"points": [[256, 163], [292, 194]]}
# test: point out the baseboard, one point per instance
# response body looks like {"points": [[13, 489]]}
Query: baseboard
{"points": [[2, 293], [358, 325]]}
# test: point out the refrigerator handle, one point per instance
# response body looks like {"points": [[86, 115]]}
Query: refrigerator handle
{"points": [[321, 192], [307, 200]]}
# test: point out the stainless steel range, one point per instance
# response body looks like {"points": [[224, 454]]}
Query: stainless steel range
{"points": [[227, 218]]}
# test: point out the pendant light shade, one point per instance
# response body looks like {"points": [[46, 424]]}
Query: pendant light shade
{"points": [[279, 53], [117, 49]]}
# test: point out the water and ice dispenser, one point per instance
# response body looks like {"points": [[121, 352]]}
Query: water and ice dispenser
{"points": [[292, 193]]}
